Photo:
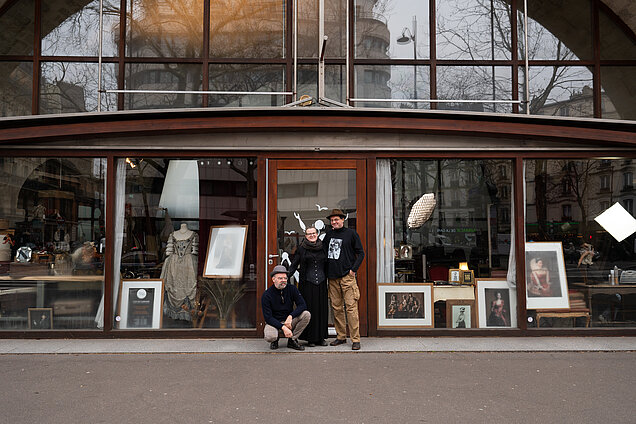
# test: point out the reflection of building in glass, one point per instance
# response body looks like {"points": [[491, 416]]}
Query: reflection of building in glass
{"points": [[580, 104], [372, 41]]}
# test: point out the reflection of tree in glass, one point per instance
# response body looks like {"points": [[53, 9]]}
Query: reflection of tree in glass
{"points": [[247, 28], [563, 182], [481, 30], [164, 28], [72, 87], [74, 28]]}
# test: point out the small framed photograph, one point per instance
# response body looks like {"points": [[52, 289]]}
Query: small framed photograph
{"points": [[405, 305], [406, 251], [496, 303], [467, 276], [460, 314], [226, 252], [40, 318], [546, 282], [455, 275], [140, 304]]}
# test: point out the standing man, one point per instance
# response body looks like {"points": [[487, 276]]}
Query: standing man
{"points": [[344, 256], [279, 313]]}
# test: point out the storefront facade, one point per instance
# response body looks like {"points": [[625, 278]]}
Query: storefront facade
{"points": [[476, 217]]}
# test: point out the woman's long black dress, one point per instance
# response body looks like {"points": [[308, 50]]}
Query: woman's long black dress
{"points": [[313, 287]]}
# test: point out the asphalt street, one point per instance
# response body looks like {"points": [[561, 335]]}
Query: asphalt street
{"points": [[315, 387]]}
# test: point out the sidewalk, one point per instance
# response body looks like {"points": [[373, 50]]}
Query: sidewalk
{"points": [[369, 344]]}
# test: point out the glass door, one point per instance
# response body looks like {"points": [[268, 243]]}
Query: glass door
{"points": [[301, 194]]}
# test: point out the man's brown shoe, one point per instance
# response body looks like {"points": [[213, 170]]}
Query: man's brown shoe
{"points": [[355, 346], [338, 342]]}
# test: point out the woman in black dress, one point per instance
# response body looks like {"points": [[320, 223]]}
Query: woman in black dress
{"points": [[310, 260]]}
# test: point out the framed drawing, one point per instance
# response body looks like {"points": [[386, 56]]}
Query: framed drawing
{"points": [[467, 276], [460, 314], [226, 251], [546, 282], [40, 318], [140, 304], [455, 275], [496, 303], [405, 305]]}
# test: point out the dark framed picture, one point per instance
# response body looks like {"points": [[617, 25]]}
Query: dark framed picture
{"points": [[405, 305], [226, 251], [496, 303], [467, 276], [40, 318], [460, 314], [546, 282], [140, 304]]}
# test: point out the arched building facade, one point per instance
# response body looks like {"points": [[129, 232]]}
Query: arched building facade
{"points": [[247, 121]]}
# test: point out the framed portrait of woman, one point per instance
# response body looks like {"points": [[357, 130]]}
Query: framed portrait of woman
{"points": [[546, 282], [496, 303]]}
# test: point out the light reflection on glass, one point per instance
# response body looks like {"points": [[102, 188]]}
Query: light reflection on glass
{"points": [[164, 28], [247, 28]]}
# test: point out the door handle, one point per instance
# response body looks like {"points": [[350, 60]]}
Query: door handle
{"points": [[273, 256]]}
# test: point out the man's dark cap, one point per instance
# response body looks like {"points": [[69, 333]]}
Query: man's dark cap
{"points": [[278, 269]]}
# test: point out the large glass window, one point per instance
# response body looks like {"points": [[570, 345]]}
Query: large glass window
{"points": [[67, 87], [191, 225], [17, 23], [335, 84], [393, 83], [575, 261], [247, 28], [446, 222], [164, 28], [473, 30], [618, 92], [77, 33], [392, 29], [615, 43], [475, 83], [560, 32], [558, 90], [466, 44], [246, 78], [53, 245], [162, 77], [15, 88]]}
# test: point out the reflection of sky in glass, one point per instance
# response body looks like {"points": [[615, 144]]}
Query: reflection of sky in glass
{"points": [[473, 29], [77, 35], [397, 15], [549, 85]]}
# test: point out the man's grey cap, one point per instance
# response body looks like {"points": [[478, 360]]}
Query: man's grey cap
{"points": [[278, 269]]}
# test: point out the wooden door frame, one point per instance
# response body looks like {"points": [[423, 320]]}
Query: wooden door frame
{"points": [[360, 166]]}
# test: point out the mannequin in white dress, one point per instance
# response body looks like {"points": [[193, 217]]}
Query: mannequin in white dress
{"points": [[179, 273]]}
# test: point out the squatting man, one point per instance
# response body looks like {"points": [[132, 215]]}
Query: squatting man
{"points": [[279, 313]]}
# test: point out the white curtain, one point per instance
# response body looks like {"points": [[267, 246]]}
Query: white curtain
{"points": [[120, 203], [512, 260], [384, 222]]}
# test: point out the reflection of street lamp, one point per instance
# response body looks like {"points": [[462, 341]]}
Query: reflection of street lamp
{"points": [[405, 39]]}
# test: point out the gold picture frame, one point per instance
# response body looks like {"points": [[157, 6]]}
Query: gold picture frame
{"points": [[467, 277]]}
